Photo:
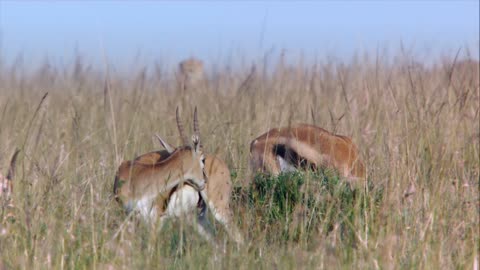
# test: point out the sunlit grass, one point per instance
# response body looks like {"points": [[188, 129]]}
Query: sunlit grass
{"points": [[417, 129]]}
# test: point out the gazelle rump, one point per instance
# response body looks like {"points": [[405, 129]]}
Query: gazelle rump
{"points": [[305, 146]]}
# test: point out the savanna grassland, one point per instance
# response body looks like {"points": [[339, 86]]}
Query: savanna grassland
{"points": [[416, 126]]}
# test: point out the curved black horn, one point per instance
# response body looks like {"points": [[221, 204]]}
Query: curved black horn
{"points": [[196, 130], [180, 128]]}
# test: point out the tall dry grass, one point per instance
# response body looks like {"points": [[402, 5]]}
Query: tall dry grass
{"points": [[417, 128]]}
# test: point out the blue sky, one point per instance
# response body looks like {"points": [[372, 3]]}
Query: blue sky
{"points": [[217, 30]]}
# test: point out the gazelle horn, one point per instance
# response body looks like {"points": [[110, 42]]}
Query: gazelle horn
{"points": [[196, 130], [180, 128]]}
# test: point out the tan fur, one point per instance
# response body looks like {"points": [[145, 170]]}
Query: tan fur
{"points": [[135, 179], [316, 146], [191, 73], [144, 178], [218, 187]]}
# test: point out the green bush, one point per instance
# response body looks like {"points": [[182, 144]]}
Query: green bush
{"points": [[295, 205]]}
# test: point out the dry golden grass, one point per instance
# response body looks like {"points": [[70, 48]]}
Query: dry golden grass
{"points": [[416, 127]]}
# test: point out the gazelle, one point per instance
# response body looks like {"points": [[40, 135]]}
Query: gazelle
{"points": [[6, 189], [140, 186], [184, 199], [305, 146]]}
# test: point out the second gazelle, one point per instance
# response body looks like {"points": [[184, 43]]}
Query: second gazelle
{"points": [[305, 146]]}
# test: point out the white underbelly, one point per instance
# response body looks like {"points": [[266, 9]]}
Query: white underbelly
{"points": [[183, 201], [285, 166], [145, 207]]}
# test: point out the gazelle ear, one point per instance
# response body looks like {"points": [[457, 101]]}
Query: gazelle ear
{"points": [[196, 142], [165, 145]]}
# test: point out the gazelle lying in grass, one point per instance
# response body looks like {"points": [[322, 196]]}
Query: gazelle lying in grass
{"points": [[6, 189], [305, 146], [185, 199]]}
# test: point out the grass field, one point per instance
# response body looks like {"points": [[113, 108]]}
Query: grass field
{"points": [[417, 129]]}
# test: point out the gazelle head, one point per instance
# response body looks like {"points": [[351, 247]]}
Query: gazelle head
{"points": [[195, 137], [196, 164]]}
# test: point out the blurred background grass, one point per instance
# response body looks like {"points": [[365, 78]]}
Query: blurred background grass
{"points": [[416, 125]]}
